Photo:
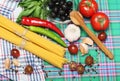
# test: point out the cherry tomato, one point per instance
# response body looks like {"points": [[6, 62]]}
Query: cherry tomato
{"points": [[102, 36], [88, 7], [28, 69], [73, 49], [15, 53], [100, 21], [72, 66], [80, 69], [89, 60]]}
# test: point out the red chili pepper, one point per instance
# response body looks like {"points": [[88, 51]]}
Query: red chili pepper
{"points": [[30, 21]]}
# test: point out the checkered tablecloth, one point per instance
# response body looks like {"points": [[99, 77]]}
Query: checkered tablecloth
{"points": [[103, 69]]}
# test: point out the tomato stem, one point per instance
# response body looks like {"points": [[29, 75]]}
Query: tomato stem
{"points": [[101, 21], [89, 3]]}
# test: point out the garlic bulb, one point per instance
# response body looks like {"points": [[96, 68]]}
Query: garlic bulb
{"points": [[72, 32]]}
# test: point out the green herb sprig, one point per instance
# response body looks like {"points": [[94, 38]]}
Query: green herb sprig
{"points": [[34, 8]]}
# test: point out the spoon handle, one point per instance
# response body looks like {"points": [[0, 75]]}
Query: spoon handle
{"points": [[98, 42]]}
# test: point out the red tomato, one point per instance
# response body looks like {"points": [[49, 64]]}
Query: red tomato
{"points": [[15, 53], [28, 69], [88, 7], [73, 49], [73, 66], [102, 36], [99, 21]]}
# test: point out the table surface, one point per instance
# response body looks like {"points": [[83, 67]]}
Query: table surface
{"points": [[103, 69]]}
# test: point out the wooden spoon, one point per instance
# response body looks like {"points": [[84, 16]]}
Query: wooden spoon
{"points": [[77, 19]]}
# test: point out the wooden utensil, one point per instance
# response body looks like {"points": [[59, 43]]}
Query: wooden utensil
{"points": [[77, 19]]}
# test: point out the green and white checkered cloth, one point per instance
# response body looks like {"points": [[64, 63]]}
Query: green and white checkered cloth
{"points": [[105, 69]]}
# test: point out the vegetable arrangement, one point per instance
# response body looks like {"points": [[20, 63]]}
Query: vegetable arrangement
{"points": [[34, 18], [46, 55], [76, 67], [43, 27], [34, 8], [30, 21], [78, 20], [15, 53], [80, 68], [98, 20], [22, 32], [40, 47]]}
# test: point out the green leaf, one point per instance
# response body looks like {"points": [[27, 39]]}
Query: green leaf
{"points": [[40, 8], [37, 11], [24, 13], [33, 4], [25, 3]]}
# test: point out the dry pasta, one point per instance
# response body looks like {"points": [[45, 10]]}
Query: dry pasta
{"points": [[33, 48], [26, 34]]}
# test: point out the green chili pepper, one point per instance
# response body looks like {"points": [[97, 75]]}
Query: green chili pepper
{"points": [[47, 33]]}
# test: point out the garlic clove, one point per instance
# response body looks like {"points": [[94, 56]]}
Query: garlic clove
{"points": [[83, 48], [88, 41], [7, 63], [16, 62]]}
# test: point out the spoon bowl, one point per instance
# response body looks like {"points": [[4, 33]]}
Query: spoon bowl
{"points": [[76, 18]]}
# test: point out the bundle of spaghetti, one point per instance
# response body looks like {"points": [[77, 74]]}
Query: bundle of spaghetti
{"points": [[33, 48], [31, 36]]}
